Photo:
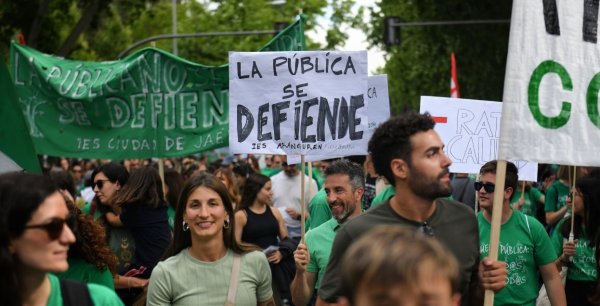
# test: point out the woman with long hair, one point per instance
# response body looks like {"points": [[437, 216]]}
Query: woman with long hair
{"points": [[173, 186], [259, 223], [107, 181], [143, 211], [579, 255], [90, 259], [35, 235], [205, 263]]}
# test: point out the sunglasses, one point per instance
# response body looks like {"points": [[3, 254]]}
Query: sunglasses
{"points": [[99, 183], [426, 229], [55, 227], [488, 187]]}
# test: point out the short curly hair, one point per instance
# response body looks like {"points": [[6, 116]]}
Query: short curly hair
{"points": [[392, 140]]}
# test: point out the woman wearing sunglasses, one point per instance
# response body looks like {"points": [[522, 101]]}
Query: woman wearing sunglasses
{"points": [[107, 180], [204, 264], [34, 241]]}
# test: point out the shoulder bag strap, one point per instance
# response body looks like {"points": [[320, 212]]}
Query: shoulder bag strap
{"points": [[75, 293], [233, 281]]}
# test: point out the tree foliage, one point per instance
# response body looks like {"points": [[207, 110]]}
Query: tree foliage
{"points": [[100, 29], [420, 65]]}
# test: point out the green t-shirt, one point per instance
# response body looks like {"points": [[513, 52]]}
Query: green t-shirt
{"points": [[319, 241], [318, 210], [583, 264], [532, 197], [85, 272], [101, 296], [524, 246], [556, 196], [185, 280], [383, 196], [171, 214]]}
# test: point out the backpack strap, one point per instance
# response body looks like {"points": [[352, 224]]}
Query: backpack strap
{"points": [[75, 293]]}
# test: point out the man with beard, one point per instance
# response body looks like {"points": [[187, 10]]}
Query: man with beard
{"points": [[409, 154], [344, 186]]}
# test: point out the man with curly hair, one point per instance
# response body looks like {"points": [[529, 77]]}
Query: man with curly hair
{"points": [[410, 155]]}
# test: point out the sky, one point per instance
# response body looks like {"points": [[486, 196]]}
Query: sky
{"points": [[356, 38]]}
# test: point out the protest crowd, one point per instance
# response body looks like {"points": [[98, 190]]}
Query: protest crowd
{"points": [[384, 230], [374, 216]]}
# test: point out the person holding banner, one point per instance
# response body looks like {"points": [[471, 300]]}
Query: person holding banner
{"points": [[205, 264], [344, 188], [524, 243], [408, 152], [579, 255], [556, 196]]}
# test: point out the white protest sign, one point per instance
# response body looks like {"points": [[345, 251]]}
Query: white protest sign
{"points": [[550, 107], [470, 130], [311, 103], [378, 110]]}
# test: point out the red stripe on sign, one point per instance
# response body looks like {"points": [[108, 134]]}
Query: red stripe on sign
{"points": [[440, 119]]}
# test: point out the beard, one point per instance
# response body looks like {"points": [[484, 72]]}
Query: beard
{"points": [[428, 188], [348, 210]]}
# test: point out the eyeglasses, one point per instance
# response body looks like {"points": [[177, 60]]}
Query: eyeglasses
{"points": [[55, 227], [426, 229], [488, 187], [99, 183]]}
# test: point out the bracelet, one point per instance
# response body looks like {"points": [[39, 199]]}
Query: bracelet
{"points": [[563, 260]]}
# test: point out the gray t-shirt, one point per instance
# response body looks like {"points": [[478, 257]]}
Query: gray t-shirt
{"points": [[453, 224], [185, 280]]}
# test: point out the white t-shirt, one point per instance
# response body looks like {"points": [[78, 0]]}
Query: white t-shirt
{"points": [[286, 194]]}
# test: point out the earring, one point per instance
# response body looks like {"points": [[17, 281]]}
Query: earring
{"points": [[185, 226], [226, 224]]}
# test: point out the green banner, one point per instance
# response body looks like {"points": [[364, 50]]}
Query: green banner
{"points": [[14, 138], [150, 104]]}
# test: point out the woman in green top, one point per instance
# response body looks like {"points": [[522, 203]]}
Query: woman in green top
{"points": [[35, 235], [579, 255]]}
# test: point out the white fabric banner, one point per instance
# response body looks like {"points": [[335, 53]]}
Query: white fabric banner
{"points": [[470, 130], [311, 103], [378, 110], [550, 107]]}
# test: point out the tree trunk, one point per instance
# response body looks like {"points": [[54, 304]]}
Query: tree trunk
{"points": [[83, 23], [36, 26]]}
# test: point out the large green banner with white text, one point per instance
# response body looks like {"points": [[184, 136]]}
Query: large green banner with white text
{"points": [[150, 104]]}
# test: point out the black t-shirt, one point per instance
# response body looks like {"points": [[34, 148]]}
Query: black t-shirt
{"points": [[150, 229], [453, 224]]}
